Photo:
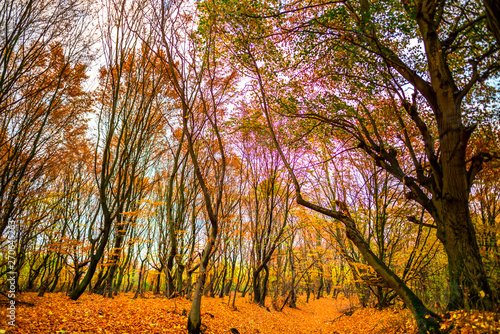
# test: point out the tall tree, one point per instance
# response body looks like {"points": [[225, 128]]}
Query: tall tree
{"points": [[430, 61], [129, 123], [42, 69], [201, 86]]}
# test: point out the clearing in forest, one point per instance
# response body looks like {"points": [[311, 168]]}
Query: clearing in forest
{"points": [[56, 313]]}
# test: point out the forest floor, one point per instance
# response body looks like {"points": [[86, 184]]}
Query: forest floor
{"points": [[56, 313]]}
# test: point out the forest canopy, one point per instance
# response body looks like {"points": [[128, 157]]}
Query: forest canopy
{"points": [[262, 148]]}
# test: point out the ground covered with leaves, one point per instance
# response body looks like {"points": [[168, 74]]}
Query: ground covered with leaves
{"points": [[56, 313]]}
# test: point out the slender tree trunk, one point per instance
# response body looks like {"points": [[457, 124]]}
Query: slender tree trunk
{"points": [[247, 284], [100, 285], [116, 257], [223, 283], [189, 284], [129, 285], [229, 284], [94, 260], [139, 282], [119, 279], [236, 288], [56, 278], [158, 282], [321, 282]]}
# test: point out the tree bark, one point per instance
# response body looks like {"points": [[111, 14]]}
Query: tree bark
{"points": [[94, 260], [492, 8]]}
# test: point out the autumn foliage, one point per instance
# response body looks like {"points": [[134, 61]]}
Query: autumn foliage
{"points": [[249, 166], [56, 313]]}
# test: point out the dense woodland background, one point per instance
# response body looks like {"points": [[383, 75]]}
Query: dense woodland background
{"points": [[273, 149]]}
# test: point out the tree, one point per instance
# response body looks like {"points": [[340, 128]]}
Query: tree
{"points": [[250, 55], [42, 68], [429, 63], [200, 86], [268, 207], [129, 123]]}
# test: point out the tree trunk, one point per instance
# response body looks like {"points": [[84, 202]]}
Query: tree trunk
{"points": [[94, 260], [158, 283], [223, 283], [450, 195], [179, 272], [99, 286], [468, 280], [321, 282], [493, 13], [256, 287], [262, 301], [245, 288], [139, 282], [427, 321], [170, 276], [194, 319], [115, 259]]}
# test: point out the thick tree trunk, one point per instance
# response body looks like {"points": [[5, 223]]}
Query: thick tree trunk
{"points": [[452, 181], [194, 320], [468, 281], [256, 287], [492, 8], [178, 278], [265, 280], [170, 277]]}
